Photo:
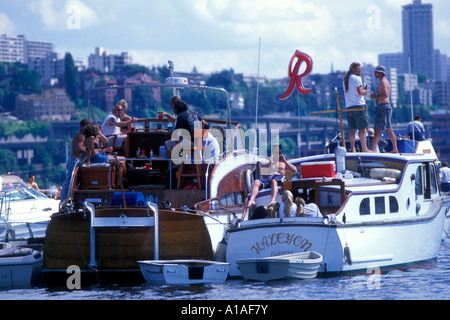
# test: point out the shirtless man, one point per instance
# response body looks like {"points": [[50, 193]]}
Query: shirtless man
{"points": [[273, 172], [383, 112], [32, 182], [78, 150]]}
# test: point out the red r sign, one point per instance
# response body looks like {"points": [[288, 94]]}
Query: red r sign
{"points": [[296, 79]]}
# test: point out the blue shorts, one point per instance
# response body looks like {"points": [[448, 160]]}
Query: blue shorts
{"points": [[100, 157], [266, 182], [383, 116], [445, 186]]}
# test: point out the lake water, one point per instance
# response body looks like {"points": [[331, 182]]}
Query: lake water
{"points": [[419, 284]]}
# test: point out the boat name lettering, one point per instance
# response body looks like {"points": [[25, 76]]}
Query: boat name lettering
{"points": [[281, 238]]}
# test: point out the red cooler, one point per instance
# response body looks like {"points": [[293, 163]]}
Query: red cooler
{"points": [[318, 169]]}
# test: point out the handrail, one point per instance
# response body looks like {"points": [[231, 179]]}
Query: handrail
{"points": [[163, 85], [123, 221]]}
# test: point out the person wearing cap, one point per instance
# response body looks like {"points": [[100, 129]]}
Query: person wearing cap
{"points": [[383, 112]]}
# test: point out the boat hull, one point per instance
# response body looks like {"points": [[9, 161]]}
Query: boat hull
{"points": [[183, 272], [297, 266], [19, 269], [117, 249], [349, 248]]}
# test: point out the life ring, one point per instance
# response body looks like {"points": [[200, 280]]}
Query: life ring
{"points": [[249, 180]]}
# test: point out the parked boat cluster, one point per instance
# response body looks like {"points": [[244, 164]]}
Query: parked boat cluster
{"points": [[188, 223]]}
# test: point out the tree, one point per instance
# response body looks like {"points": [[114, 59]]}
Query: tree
{"points": [[8, 161], [71, 77], [25, 81]]}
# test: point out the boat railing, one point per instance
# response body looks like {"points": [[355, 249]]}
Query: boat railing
{"points": [[122, 221], [5, 205]]}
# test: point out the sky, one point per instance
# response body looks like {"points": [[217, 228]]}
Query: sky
{"points": [[213, 35]]}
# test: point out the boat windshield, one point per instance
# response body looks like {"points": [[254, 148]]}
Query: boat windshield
{"points": [[17, 191]]}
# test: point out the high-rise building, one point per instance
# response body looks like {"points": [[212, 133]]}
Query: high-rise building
{"points": [[37, 50], [102, 61], [18, 49], [392, 60], [440, 62], [417, 23], [12, 49]]}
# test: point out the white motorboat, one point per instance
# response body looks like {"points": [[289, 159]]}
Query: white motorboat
{"points": [[24, 209], [183, 272], [382, 211], [303, 265], [19, 267]]}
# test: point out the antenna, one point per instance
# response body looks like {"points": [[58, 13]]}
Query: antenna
{"points": [[410, 89], [171, 67]]}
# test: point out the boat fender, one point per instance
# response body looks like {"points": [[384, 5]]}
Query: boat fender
{"points": [[249, 181], [347, 255], [221, 251]]}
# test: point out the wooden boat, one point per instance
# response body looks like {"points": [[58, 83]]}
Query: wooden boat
{"points": [[303, 265], [184, 272], [379, 200], [104, 230], [19, 267]]}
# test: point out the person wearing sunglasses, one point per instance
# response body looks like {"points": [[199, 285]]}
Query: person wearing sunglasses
{"points": [[112, 124]]}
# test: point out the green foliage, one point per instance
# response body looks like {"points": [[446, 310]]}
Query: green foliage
{"points": [[71, 77], [36, 128], [25, 82], [8, 161]]}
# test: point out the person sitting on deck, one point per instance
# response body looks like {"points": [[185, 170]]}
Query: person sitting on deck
{"points": [[95, 154], [287, 207], [306, 210], [275, 169], [112, 124], [416, 128]]}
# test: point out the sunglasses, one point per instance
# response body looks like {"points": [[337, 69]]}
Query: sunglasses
{"points": [[119, 109]]}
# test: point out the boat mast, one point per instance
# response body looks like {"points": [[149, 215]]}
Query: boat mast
{"points": [[255, 146], [410, 92]]}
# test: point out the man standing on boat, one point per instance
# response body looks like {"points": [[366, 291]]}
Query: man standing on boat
{"points": [[78, 151], [272, 172], [358, 118], [383, 112]]}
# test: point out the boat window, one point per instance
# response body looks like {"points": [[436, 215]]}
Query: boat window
{"points": [[364, 207], [418, 180], [239, 198], [379, 205], [231, 199], [427, 184], [393, 204], [434, 188]]}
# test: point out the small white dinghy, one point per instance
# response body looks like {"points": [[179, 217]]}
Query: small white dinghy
{"points": [[19, 267], [304, 265], [184, 272]]}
